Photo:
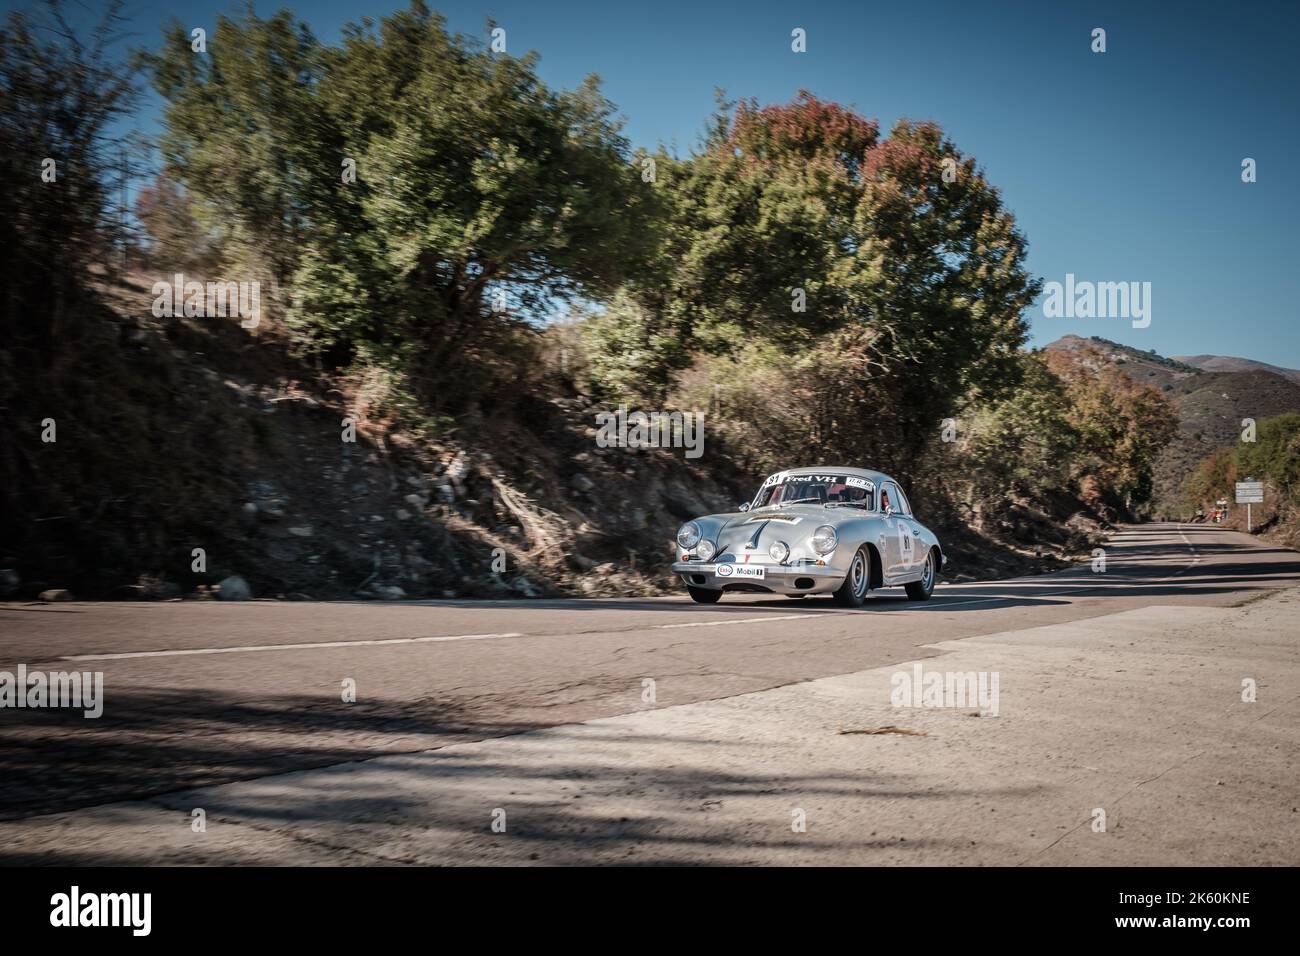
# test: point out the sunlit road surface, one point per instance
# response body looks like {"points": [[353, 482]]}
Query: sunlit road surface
{"points": [[206, 693]]}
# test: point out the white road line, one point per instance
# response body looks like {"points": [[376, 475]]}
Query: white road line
{"points": [[980, 601], [1196, 558], [741, 620], [1010, 582], [285, 647], [317, 645]]}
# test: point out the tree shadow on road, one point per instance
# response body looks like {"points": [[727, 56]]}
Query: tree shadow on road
{"points": [[571, 795], [151, 741]]}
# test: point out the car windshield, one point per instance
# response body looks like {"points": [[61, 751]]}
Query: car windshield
{"points": [[783, 489]]}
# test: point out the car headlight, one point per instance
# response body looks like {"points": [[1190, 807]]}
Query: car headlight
{"points": [[704, 550], [824, 539], [779, 552], [688, 535]]}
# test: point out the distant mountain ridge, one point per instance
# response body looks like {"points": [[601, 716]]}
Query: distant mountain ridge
{"points": [[1211, 393], [1231, 363]]}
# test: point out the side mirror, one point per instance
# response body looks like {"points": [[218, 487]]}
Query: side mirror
{"points": [[743, 507], [889, 510]]}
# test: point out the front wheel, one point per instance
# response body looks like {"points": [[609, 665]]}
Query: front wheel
{"points": [[853, 592], [704, 595], [922, 589]]}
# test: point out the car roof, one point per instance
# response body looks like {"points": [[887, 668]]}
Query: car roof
{"points": [[875, 476]]}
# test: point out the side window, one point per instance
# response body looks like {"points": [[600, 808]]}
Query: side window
{"points": [[898, 499], [886, 499]]}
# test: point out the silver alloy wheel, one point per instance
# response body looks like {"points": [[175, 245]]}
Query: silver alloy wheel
{"points": [[927, 573], [858, 572]]}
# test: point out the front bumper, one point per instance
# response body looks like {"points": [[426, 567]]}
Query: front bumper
{"points": [[777, 578]]}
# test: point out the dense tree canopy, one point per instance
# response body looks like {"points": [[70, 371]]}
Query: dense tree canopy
{"points": [[884, 270], [478, 195]]}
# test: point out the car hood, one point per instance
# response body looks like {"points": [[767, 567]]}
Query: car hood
{"points": [[756, 531]]}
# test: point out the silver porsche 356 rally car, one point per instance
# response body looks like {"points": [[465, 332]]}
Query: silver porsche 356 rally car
{"points": [[842, 531]]}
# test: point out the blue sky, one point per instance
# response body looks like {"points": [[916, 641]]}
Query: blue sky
{"points": [[1122, 166]]}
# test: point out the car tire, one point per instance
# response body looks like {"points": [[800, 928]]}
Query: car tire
{"points": [[853, 592], [704, 595], [922, 589]]}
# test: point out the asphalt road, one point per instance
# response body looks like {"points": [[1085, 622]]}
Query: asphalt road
{"points": [[199, 693]]}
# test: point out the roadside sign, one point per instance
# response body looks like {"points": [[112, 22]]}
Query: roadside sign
{"points": [[1250, 491]]}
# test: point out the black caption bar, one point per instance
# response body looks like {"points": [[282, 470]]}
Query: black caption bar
{"points": [[136, 906]]}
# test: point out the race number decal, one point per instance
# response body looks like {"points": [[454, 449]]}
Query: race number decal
{"points": [[905, 542]]}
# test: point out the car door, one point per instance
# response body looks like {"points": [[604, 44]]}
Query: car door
{"points": [[902, 533], [891, 552]]}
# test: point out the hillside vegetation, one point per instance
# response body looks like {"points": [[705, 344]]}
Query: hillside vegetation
{"points": [[1273, 457], [1214, 401], [459, 267]]}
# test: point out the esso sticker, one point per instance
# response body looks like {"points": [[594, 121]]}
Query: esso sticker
{"points": [[724, 570]]}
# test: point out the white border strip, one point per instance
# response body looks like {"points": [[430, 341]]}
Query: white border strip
{"points": [[286, 647]]}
